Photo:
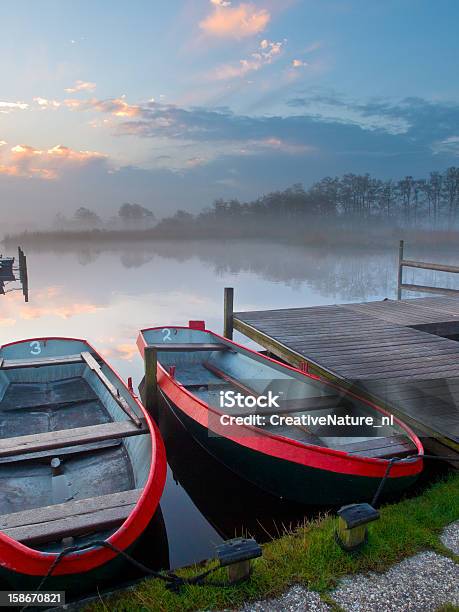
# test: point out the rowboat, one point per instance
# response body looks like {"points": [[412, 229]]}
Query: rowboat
{"points": [[81, 462], [336, 460]]}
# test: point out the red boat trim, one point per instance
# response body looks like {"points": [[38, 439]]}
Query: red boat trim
{"points": [[278, 446], [19, 558]]}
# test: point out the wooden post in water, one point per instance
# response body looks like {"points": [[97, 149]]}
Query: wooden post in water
{"points": [[23, 273], [400, 270], [151, 379], [228, 313]]}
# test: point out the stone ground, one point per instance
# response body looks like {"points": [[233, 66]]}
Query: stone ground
{"points": [[421, 583]]}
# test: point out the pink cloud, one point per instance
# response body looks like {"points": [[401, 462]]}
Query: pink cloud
{"points": [[28, 162], [240, 21], [297, 63], [118, 107], [81, 86]]}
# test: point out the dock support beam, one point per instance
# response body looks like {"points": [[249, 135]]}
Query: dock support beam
{"points": [[23, 273], [151, 379], [400, 270], [228, 313]]}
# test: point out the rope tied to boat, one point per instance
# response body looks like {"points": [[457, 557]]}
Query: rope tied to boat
{"points": [[394, 460], [173, 582]]}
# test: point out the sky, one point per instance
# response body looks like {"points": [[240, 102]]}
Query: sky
{"points": [[172, 104]]}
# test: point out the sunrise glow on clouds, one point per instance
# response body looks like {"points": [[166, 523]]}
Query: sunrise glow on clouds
{"points": [[174, 106], [26, 161], [238, 21]]}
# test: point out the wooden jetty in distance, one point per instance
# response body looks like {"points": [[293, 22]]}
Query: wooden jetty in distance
{"points": [[9, 273], [402, 353]]}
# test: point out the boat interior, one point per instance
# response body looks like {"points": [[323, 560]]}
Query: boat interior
{"points": [[68, 432], [205, 366]]}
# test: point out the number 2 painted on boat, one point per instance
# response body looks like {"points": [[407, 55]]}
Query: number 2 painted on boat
{"points": [[35, 348], [167, 335]]}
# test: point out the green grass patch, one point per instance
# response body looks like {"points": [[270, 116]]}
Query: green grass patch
{"points": [[310, 556]]}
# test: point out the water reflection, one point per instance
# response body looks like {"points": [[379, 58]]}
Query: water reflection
{"points": [[350, 274]]}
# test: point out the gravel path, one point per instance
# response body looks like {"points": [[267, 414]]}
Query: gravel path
{"points": [[296, 599], [419, 584], [450, 537]]}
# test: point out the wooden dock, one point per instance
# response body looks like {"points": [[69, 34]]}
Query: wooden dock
{"points": [[400, 352]]}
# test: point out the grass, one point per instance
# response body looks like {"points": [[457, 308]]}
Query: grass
{"points": [[310, 556]]}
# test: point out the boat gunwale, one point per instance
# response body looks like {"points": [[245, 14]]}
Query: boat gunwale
{"points": [[376, 467], [22, 559]]}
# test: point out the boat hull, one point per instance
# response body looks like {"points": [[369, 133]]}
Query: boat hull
{"points": [[289, 480]]}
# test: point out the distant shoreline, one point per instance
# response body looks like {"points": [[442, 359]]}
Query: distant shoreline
{"points": [[320, 235]]}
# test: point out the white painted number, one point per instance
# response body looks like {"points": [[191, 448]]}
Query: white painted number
{"points": [[167, 335], [35, 348]]}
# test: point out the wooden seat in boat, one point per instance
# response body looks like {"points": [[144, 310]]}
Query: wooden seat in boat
{"points": [[14, 364], [190, 347], [72, 518], [68, 437], [68, 452], [381, 448]]}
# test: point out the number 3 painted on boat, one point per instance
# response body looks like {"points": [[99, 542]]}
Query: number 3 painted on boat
{"points": [[167, 335], [35, 348]]}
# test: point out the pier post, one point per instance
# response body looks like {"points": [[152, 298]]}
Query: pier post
{"points": [[228, 313], [151, 379], [23, 274], [400, 270]]}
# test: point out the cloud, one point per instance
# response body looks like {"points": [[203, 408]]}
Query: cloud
{"points": [[240, 21], [268, 51], [220, 2], [45, 104], [449, 145], [118, 107], [81, 86], [282, 146], [7, 107], [297, 63], [192, 162], [27, 162]]}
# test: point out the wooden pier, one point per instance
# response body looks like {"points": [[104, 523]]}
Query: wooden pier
{"points": [[401, 352]]}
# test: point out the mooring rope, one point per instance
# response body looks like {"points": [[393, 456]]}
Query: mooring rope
{"points": [[173, 582], [394, 460]]}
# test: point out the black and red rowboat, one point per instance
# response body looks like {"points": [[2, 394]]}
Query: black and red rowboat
{"points": [[311, 464]]}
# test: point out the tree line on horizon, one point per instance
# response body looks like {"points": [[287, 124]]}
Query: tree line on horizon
{"points": [[409, 202], [351, 198]]}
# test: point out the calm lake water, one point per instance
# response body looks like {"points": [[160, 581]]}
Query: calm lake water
{"points": [[107, 294]]}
